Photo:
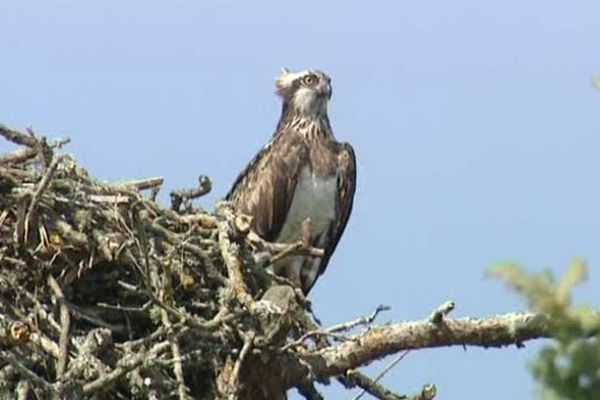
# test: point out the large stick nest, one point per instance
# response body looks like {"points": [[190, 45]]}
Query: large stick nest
{"points": [[104, 293]]}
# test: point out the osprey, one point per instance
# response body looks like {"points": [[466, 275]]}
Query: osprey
{"points": [[302, 178]]}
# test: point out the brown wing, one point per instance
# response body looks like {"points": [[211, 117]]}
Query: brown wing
{"points": [[345, 199], [265, 188]]}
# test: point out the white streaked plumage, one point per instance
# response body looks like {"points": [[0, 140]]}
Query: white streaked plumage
{"points": [[314, 198], [302, 174]]}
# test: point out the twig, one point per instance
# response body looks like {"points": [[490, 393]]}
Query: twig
{"points": [[274, 248], [166, 291], [42, 185], [160, 332], [155, 227], [124, 261], [126, 365], [23, 389], [313, 334], [12, 260], [232, 261], [439, 313], [205, 220], [37, 337], [289, 249], [184, 195], [149, 276], [29, 374], [17, 137], [65, 322], [182, 389], [178, 370], [355, 378], [235, 375], [109, 198], [39, 308], [378, 378], [117, 307], [142, 184], [19, 155], [428, 392], [69, 233], [365, 320], [377, 342], [25, 153], [83, 313]]}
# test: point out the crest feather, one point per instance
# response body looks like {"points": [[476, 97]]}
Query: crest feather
{"points": [[285, 80]]}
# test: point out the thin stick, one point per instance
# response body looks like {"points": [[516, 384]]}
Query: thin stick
{"points": [[17, 137], [143, 184], [230, 254], [42, 185], [65, 322], [439, 313], [126, 365], [25, 153], [331, 331], [23, 389], [355, 378], [290, 248], [29, 374], [365, 320], [274, 248], [382, 373], [177, 363], [179, 196], [235, 376], [109, 198]]}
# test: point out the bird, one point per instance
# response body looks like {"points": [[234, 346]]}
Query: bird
{"points": [[301, 184]]}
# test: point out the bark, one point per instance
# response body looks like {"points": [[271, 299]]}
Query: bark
{"points": [[105, 293]]}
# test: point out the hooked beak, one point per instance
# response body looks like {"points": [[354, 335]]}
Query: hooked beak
{"points": [[325, 90]]}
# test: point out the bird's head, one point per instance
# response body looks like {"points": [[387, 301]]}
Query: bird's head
{"points": [[307, 92]]}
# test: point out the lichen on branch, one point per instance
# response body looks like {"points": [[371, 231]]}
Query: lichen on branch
{"points": [[105, 293]]}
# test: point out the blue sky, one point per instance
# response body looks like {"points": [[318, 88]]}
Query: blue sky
{"points": [[476, 129]]}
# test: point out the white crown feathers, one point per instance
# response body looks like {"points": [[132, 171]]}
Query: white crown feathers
{"points": [[286, 79]]}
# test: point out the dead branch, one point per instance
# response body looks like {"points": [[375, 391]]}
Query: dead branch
{"points": [[179, 197], [381, 341], [108, 293], [231, 257], [439, 313], [372, 385], [17, 137], [142, 184], [65, 322]]}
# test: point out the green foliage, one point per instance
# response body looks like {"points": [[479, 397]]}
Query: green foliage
{"points": [[568, 368], [596, 82]]}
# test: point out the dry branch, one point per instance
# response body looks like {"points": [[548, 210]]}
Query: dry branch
{"points": [[381, 341], [106, 293], [65, 322]]}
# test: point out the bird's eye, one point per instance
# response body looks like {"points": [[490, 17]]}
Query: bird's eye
{"points": [[310, 80]]}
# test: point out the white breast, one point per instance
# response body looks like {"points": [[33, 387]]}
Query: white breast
{"points": [[314, 198]]}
